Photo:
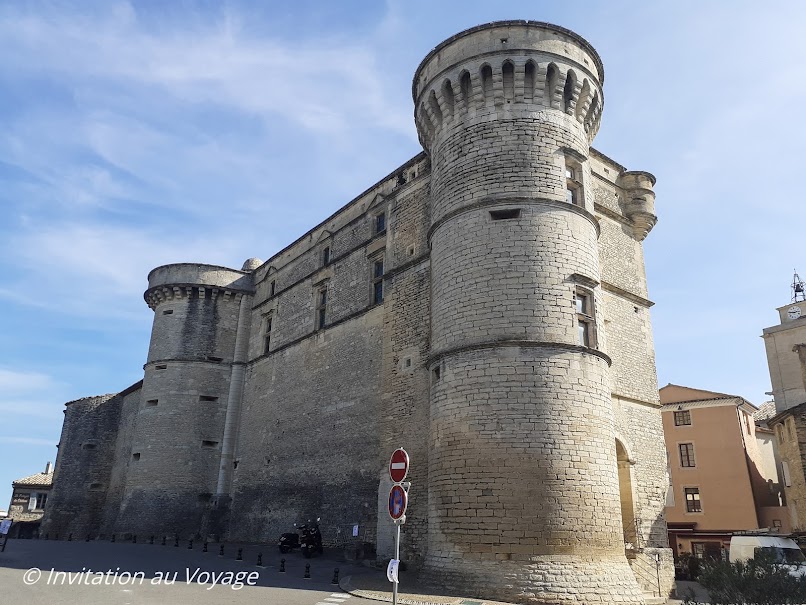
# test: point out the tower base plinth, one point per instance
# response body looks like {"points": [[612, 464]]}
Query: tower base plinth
{"points": [[537, 579]]}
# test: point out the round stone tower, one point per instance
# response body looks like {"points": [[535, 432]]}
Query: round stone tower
{"points": [[523, 479], [178, 431]]}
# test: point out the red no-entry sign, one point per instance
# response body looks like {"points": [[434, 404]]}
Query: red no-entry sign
{"points": [[398, 501], [399, 465]]}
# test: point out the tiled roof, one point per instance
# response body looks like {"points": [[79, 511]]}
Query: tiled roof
{"points": [[765, 411], [39, 480]]}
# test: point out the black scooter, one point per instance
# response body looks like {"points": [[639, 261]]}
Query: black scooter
{"points": [[311, 539]]}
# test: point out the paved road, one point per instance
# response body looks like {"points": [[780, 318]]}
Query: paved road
{"points": [[102, 573]]}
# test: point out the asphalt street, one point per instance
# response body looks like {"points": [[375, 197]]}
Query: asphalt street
{"points": [[103, 573]]}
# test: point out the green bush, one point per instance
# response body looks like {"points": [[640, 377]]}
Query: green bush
{"points": [[758, 581]]}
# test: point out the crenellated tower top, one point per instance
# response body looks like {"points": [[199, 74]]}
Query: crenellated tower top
{"points": [[514, 67]]}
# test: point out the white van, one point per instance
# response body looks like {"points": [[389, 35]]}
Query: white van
{"points": [[784, 550]]}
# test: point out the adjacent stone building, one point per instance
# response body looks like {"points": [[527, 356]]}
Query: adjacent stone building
{"points": [[29, 497], [484, 306], [786, 356]]}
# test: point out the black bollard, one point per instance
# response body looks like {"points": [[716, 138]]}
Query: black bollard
{"points": [[57, 537], [151, 541], [47, 536], [282, 565], [113, 537], [88, 538], [176, 541], [221, 551], [204, 548], [307, 575], [164, 539], [69, 537], [335, 579], [134, 539], [260, 559], [190, 545], [240, 555]]}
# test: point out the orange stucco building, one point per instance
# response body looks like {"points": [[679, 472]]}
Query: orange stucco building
{"points": [[723, 472]]}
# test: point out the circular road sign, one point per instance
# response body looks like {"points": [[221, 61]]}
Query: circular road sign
{"points": [[399, 465], [398, 500]]}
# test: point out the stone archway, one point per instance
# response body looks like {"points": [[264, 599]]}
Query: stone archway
{"points": [[625, 484]]}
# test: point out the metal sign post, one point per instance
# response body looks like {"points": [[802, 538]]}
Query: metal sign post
{"points": [[398, 502]]}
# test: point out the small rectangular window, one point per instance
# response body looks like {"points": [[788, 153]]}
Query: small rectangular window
{"points": [[321, 309], [90, 445], [208, 398], [573, 186], [436, 374], [95, 486], [213, 358], [380, 223], [326, 256], [168, 312], [377, 282], [136, 456], [207, 443], [501, 215], [272, 287], [682, 418], [152, 402], [267, 337], [586, 322], [161, 367], [686, 455], [693, 504]]}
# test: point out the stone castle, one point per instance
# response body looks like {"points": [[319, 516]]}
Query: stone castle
{"points": [[484, 306]]}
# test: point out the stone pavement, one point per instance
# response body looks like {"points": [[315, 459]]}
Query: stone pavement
{"points": [[372, 584]]}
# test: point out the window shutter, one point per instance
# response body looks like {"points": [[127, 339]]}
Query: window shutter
{"points": [[32, 501]]}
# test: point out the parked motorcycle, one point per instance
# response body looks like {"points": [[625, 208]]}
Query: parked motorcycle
{"points": [[289, 541], [311, 538]]}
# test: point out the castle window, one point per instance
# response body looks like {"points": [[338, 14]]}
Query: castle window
{"points": [[151, 402], [380, 223], [573, 184], [586, 322], [208, 398], [168, 312], [779, 432], [785, 474], [161, 367], [37, 501], [377, 282], [501, 215], [693, 504], [436, 374], [95, 486], [790, 428], [682, 418], [267, 336], [207, 443], [89, 445], [136, 456], [326, 256], [321, 308], [686, 455], [272, 287]]}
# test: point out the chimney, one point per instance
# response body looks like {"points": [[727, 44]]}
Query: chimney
{"points": [[48, 468]]}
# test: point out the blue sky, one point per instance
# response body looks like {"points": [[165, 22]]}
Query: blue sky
{"points": [[138, 134]]}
